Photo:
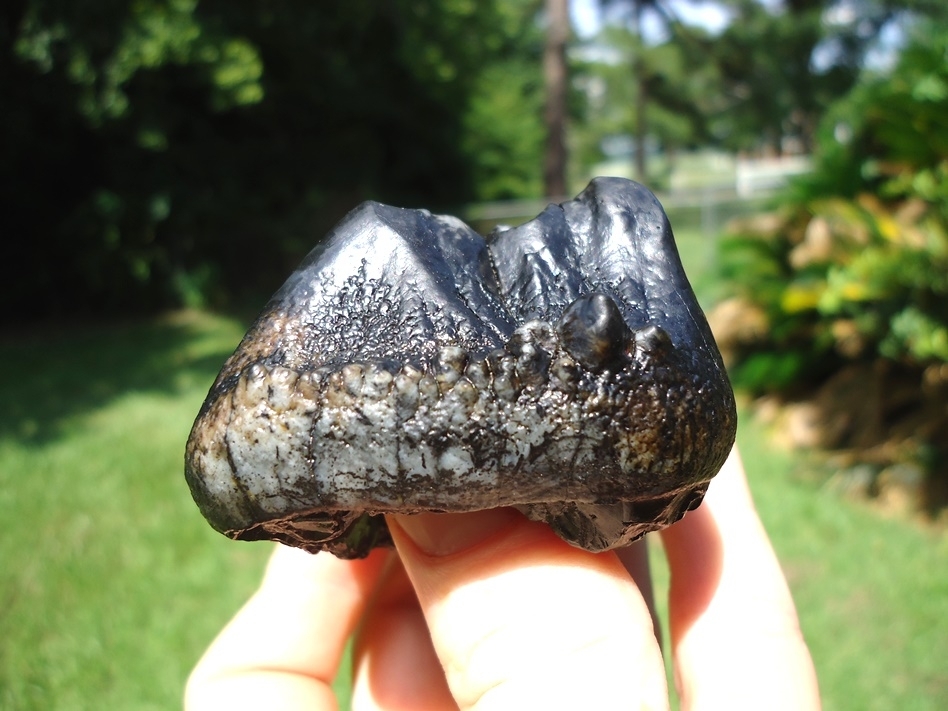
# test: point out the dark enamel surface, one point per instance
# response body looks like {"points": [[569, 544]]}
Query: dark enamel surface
{"points": [[563, 367]]}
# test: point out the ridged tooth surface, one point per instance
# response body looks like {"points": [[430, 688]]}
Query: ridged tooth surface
{"points": [[362, 414], [281, 388], [651, 342], [564, 373], [506, 382], [371, 421], [478, 373], [466, 392], [252, 386], [353, 378], [407, 395], [428, 391], [537, 332], [533, 365]]}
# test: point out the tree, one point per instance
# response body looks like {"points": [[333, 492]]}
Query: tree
{"points": [[503, 130], [645, 69], [783, 65], [169, 151], [681, 86], [556, 81], [632, 12], [777, 65]]}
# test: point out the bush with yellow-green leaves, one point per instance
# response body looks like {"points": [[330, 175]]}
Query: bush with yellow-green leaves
{"points": [[847, 280]]}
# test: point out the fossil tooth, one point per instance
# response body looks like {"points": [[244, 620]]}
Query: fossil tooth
{"points": [[562, 367]]}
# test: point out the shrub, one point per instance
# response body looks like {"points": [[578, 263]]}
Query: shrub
{"points": [[852, 267]]}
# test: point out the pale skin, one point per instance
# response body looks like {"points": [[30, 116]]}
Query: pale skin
{"points": [[490, 611]]}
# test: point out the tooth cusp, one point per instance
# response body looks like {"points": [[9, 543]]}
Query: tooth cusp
{"points": [[593, 331]]}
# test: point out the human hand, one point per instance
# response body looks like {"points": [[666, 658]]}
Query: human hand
{"points": [[491, 611]]}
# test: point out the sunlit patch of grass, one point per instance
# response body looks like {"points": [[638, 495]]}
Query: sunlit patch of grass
{"points": [[112, 583], [872, 591]]}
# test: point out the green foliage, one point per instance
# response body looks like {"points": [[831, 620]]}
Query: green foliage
{"points": [[160, 152], [762, 83], [855, 265], [151, 35], [503, 134]]}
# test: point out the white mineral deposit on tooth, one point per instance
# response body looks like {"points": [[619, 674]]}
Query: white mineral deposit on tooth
{"points": [[562, 367]]}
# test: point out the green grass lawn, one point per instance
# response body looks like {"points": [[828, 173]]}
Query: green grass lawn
{"points": [[111, 583]]}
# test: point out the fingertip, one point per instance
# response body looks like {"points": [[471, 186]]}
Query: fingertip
{"points": [[445, 534], [295, 569], [695, 553], [516, 607]]}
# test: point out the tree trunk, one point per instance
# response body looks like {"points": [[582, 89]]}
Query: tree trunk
{"points": [[556, 80], [641, 97]]}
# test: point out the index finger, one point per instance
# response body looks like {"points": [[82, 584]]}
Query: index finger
{"points": [[283, 649], [520, 619], [735, 634]]}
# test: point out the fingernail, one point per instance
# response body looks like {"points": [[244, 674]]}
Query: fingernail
{"points": [[444, 534]]}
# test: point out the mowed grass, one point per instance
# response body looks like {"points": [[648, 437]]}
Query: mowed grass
{"points": [[112, 585], [111, 582]]}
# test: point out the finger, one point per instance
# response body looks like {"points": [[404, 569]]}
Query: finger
{"points": [[520, 619], [283, 648], [735, 634], [394, 663], [635, 560]]}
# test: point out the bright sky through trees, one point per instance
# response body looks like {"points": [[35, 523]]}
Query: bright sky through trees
{"points": [[587, 16]]}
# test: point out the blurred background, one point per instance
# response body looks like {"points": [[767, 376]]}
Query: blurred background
{"points": [[164, 164]]}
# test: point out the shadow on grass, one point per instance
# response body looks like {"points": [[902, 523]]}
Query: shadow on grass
{"points": [[51, 375]]}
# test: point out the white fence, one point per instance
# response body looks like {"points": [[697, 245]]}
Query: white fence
{"points": [[755, 176], [714, 205], [733, 180]]}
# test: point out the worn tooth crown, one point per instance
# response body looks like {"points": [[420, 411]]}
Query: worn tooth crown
{"points": [[562, 367]]}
